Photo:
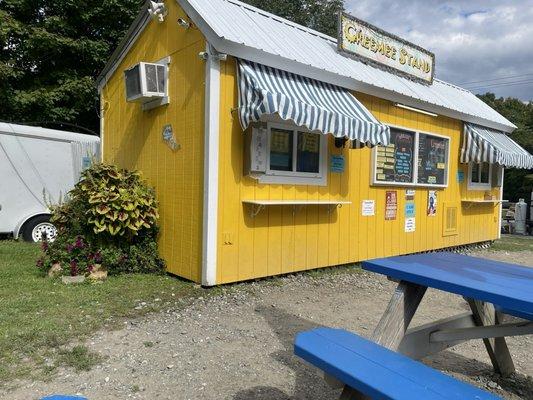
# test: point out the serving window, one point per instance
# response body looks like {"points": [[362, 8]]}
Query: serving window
{"points": [[286, 154], [412, 159]]}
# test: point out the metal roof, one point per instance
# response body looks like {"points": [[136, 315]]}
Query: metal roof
{"points": [[243, 31], [246, 32]]}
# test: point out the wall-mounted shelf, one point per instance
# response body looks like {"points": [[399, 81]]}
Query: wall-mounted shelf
{"points": [[258, 205], [472, 202]]}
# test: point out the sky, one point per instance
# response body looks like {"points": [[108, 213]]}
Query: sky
{"points": [[480, 45]]}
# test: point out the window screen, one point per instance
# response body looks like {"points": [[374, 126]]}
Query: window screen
{"points": [[308, 156], [432, 162], [281, 150], [133, 82]]}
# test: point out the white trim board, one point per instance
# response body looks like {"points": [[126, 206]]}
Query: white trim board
{"points": [[211, 156]]}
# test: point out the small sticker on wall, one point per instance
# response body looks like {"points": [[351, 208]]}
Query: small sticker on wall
{"points": [[391, 205], [368, 208], [337, 163], [168, 137], [409, 194], [460, 176], [410, 225], [410, 209], [432, 203]]}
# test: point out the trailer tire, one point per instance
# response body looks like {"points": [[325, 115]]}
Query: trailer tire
{"points": [[35, 228]]}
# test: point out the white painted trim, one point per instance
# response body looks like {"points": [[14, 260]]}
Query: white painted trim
{"points": [[211, 156], [414, 184], [502, 174], [292, 177]]}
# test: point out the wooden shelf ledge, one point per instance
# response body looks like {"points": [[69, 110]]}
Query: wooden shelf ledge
{"points": [[258, 205], [472, 202]]}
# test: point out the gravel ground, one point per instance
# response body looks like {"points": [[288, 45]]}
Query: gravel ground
{"points": [[239, 345]]}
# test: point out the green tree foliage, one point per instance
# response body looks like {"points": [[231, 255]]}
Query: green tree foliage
{"points": [[518, 182], [52, 51], [320, 15]]}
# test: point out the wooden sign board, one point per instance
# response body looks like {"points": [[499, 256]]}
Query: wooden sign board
{"points": [[372, 45]]}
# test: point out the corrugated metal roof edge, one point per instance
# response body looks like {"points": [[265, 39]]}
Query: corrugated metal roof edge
{"points": [[240, 50], [276, 61]]}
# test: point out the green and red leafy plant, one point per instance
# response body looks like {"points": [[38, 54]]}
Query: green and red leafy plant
{"points": [[109, 220]]}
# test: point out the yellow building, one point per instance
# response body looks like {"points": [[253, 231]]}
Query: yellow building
{"points": [[274, 149]]}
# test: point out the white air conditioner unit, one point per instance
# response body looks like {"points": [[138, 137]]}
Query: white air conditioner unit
{"points": [[146, 82]]}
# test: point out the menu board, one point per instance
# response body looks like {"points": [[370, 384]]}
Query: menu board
{"points": [[394, 163], [432, 163]]}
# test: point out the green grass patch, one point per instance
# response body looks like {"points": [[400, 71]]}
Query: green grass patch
{"points": [[39, 315], [513, 243], [79, 357]]}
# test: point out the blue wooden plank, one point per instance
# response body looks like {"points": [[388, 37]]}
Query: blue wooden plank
{"points": [[506, 285], [378, 372]]}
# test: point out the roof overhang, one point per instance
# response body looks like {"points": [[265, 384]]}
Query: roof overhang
{"points": [[240, 50]]}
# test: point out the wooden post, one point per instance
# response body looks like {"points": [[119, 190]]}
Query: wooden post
{"points": [[485, 314], [393, 324]]}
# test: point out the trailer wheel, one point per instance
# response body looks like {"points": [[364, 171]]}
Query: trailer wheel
{"points": [[37, 228]]}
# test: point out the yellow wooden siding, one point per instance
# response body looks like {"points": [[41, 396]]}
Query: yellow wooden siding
{"points": [[279, 241], [133, 138]]}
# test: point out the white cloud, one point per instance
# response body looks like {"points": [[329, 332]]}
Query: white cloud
{"points": [[472, 40]]}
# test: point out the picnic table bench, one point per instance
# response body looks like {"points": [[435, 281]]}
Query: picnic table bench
{"points": [[490, 288], [377, 371]]}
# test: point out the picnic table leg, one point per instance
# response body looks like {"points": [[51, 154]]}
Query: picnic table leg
{"points": [[393, 324], [485, 314]]}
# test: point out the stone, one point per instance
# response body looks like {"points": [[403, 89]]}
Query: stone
{"points": [[55, 270], [69, 280], [97, 276]]}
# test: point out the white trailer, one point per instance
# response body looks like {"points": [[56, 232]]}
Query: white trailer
{"points": [[38, 167]]}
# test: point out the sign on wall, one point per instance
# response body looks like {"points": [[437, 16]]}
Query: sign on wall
{"points": [[391, 205], [432, 203], [368, 208], [337, 163], [371, 44]]}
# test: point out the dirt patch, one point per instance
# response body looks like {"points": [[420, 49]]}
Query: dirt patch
{"points": [[239, 345]]}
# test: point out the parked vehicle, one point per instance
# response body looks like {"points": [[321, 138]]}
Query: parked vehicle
{"points": [[38, 167]]}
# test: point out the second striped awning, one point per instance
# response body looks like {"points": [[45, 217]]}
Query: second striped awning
{"points": [[307, 102], [481, 144]]}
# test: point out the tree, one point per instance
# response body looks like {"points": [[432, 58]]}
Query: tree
{"points": [[518, 183], [320, 15], [52, 51]]}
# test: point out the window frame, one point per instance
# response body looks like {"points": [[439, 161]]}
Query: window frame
{"points": [[479, 185], [415, 183], [293, 177]]}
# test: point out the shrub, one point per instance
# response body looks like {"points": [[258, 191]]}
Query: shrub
{"points": [[108, 220]]}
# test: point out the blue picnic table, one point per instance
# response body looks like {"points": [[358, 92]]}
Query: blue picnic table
{"points": [[493, 290]]}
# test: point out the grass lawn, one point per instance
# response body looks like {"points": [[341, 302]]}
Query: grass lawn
{"points": [[513, 243], [43, 322], [39, 316]]}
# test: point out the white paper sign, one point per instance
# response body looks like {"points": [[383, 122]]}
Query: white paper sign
{"points": [[410, 225], [368, 208]]}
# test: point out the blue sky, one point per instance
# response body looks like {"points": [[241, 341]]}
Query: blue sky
{"points": [[480, 45]]}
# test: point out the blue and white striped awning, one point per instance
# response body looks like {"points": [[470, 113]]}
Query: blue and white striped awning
{"points": [[482, 144], [315, 105]]}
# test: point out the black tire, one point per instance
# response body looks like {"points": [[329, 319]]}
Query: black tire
{"points": [[33, 229]]}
